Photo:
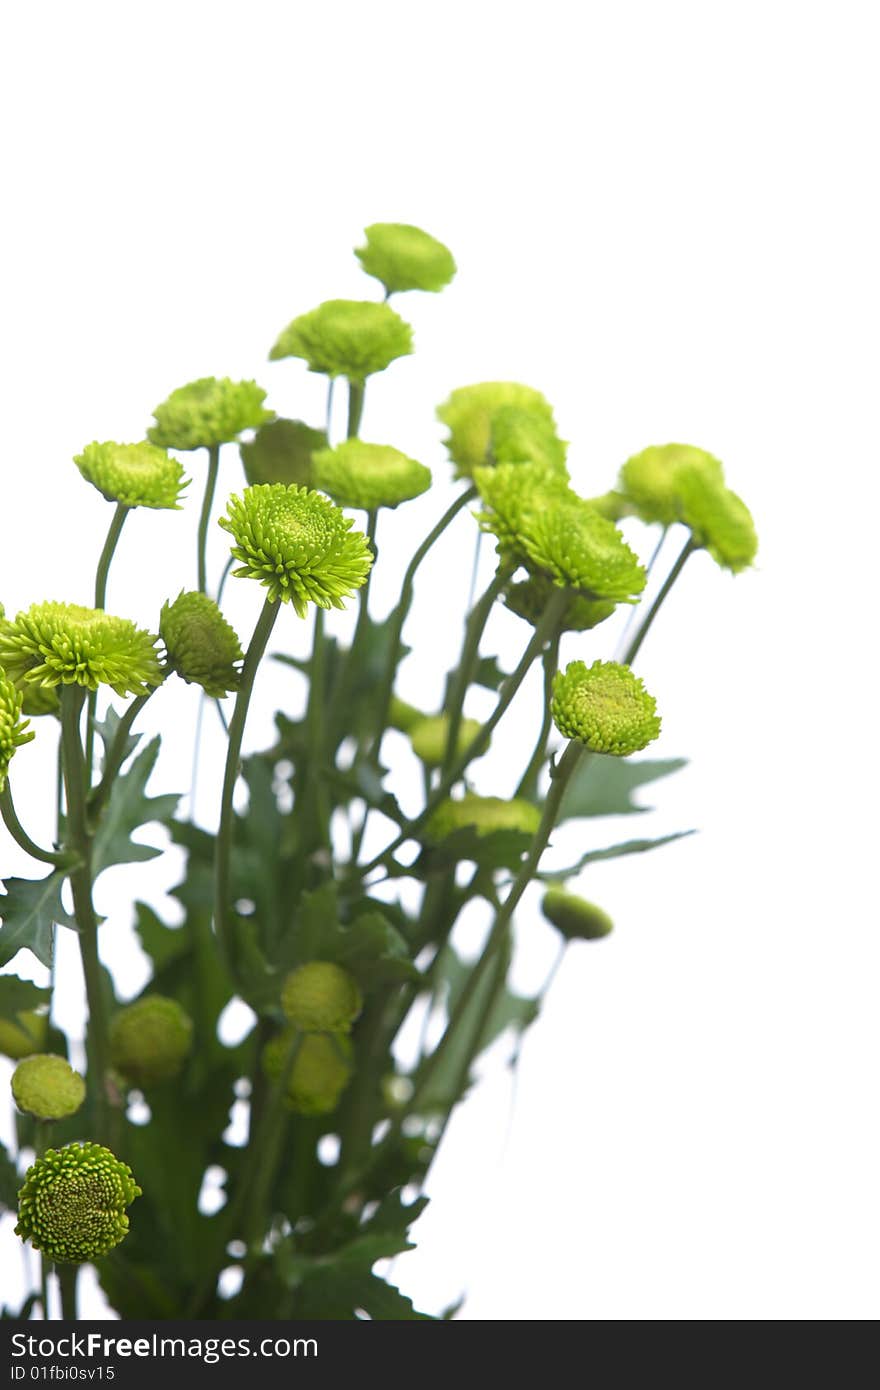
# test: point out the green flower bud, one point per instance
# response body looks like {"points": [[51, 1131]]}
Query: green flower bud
{"points": [[482, 814], [65, 644], [321, 997], [47, 1087], [281, 452], [24, 1034], [72, 1204], [320, 1073], [403, 716], [527, 436], [297, 544], [720, 522], [207, 413], [369, 475], [14, 730], [429, 735], [529, 598], [138, 475], [150, 1040], [574, 917], [201, 646], [470, 412], [579, 549], [346, 337], [604, 705], [649, 480], [405, 258]]}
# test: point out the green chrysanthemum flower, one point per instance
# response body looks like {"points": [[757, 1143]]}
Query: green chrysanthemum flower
{"points": [[281, 452], [649, 480], [208, 412], [150, 1040], [574, 917], [47, 1087], [22, 1035], [720, 522], [579, 549], [484, 814], [470, 412], [529, 598], [13, 729], [65, 644], [405, 258], [518, 436], [604, 705], [320, 1073], [72, 1204], [346, 337], [138, 475], [298, 544], [428, 737], [511, 492], [321, 997], [200, 644], [369, 475]]}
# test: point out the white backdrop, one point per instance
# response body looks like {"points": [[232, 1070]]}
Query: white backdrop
{"points": [[665, 217]]}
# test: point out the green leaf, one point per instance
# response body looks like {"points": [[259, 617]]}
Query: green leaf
{"points": [[612, 852], [603, 786], [497, 849], [20, 996], [10, 1182], [488, 673], [342, 1283], [128, 808], [106, 729], [29, 909], [370, 947]]}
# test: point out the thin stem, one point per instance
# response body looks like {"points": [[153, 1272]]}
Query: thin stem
{"points": [[475, 569], [633, 612], [205, 515], [328, 421], [223, 847], [265, 1145], [315, 810], [528, 784], [356, 391], [634, 647], [473, 634], [227, 569], [67, 1277], [60, 858], [101, 575]]}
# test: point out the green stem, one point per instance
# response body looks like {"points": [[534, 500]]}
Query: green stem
{"points": [[101, 576], [223, 846], [356, 391], [634, 647], [227, 568], [328, 420], [81, 887], [473, 634], [528, 784], [67, 1277], [315, 816], [265, 1147], [205, 515], [115, 756], [60, 858]]}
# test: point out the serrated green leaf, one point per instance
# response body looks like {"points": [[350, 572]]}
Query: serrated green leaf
{"points": [[29, 909], [603, 786], [128, 808], [374, 951], [23, 1313], [488, 673], [20, 996], [338, 1285], [106, 730], [611, 852], [10, 1182], [497, 849]]}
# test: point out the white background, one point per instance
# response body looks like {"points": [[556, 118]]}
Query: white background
{"points": [[665, 217]]}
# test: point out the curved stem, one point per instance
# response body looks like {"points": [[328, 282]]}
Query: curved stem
{"points": [[473, 634], [634, 647], [356, 391], [227, 568], [528, 784], [205, 514], [101, 576], [59, 858], [223, 846]]}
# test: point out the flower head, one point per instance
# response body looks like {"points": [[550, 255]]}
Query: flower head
{"points": [[649, 480], [65, 644], [579, 549], [519, 435], [47, 1087], [405, 258], [13, 729], [346, 337], [369, 475], [528, 598], [720, 522], [72, 1204], [321, 997], [604, 705], [208, 412], [298, 544], [428, 737], [470, 412], [150, 1040], [510, 492], [200, 644], [22, 1035], [484, 814], [321, 1069], [138, 475], [281, 452], [574, 917]]}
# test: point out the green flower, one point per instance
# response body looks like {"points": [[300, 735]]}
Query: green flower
{"points": [[298, 544], [72, 1204], [529, 598], [281, 452], [511, 492], [470, 413], [47, 1087], [428, 737], [14, 730], [579, 549], [369, 475], [150, 1040], [405, 258], [484, 814], [604, 705], [720, 522], [200, 644], [346, 337], [22, 1035], [138, 475], [65, 644], [208, 412], [320, 1073], [574, 917], [649, 480], [519, 435], [321, 997]]}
